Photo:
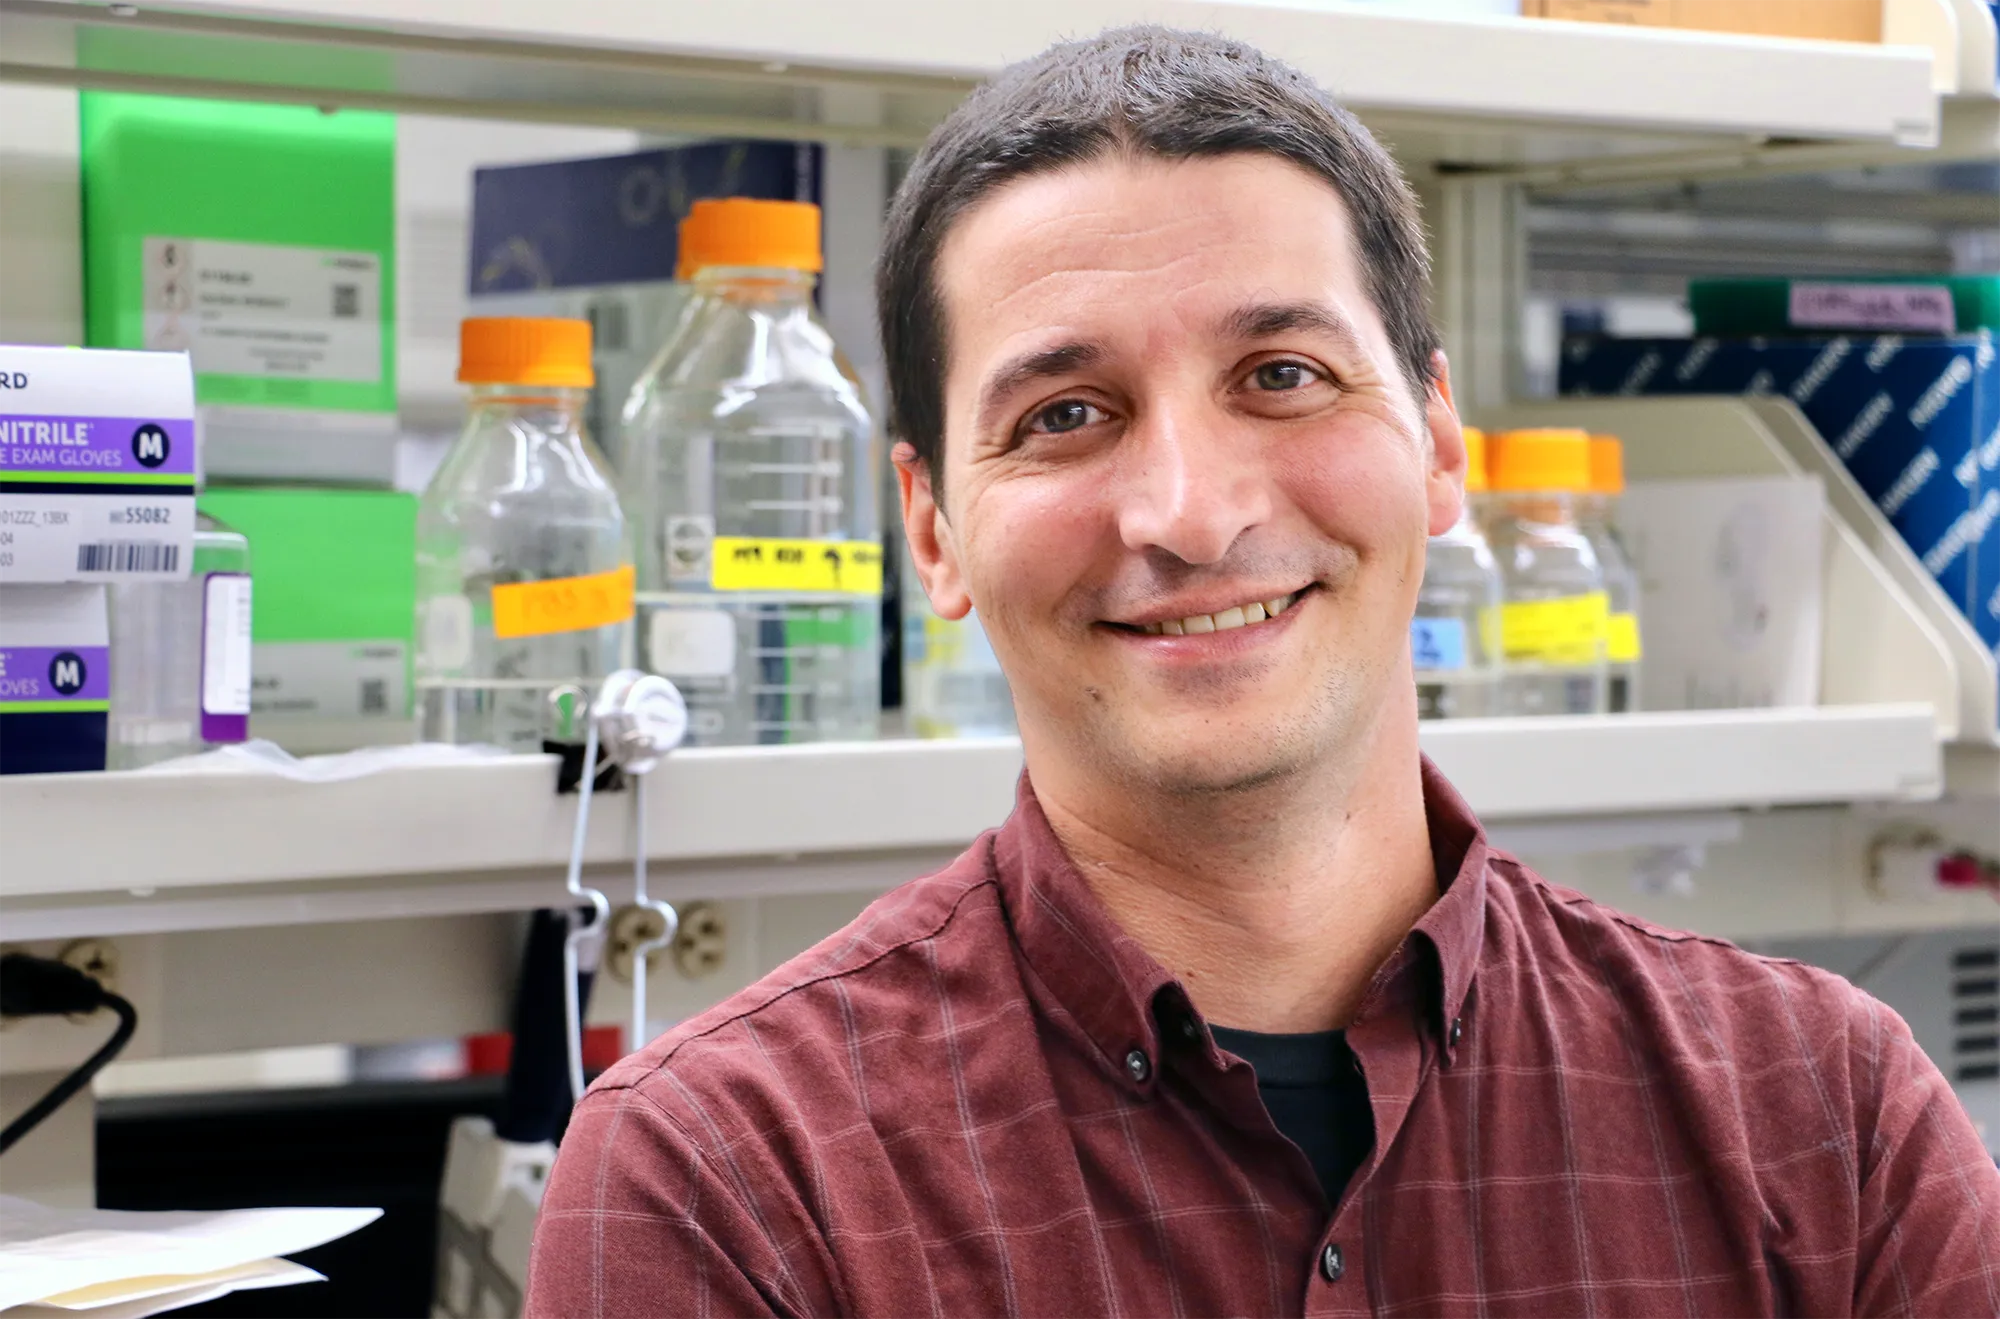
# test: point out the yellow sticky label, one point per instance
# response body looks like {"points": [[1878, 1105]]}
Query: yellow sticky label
{"points": [[1567, 630], [757, 563], [563, 604], [1621, 638]]}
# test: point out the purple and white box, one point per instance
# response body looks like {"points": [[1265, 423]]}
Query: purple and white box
{"points": [[98, 465]]}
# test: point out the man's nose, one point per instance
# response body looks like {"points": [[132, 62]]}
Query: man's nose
{"points": [[1191, 482]]}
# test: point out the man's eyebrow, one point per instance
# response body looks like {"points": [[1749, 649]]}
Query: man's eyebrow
{"points": [[1042, 364], [1267, 320]]}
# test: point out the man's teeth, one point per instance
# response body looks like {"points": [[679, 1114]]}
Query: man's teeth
{"points": [[1235, 616]]}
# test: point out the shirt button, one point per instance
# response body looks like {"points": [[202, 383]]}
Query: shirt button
{"points": [[1457, 1029], [1332, 1263], [1137, 1066]]}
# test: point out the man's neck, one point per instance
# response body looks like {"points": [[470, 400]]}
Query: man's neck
{"points": [[1276, 906]]}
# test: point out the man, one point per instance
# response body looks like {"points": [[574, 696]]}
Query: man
{"points": [[1238, 1013]]}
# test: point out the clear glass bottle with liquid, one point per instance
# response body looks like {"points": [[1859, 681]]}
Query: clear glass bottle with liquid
{"points": [[750, 469], [1553, 611], [524, 564], [1597, 516], [180, 655], [952, 683], [1454, 637]]}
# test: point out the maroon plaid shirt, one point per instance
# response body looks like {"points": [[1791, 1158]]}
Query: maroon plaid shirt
{"points": [[983, 1098]]}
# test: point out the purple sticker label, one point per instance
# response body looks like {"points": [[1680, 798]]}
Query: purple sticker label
{"points": [[103, 448], [225, 727], [54, 673], [1911, 308]]}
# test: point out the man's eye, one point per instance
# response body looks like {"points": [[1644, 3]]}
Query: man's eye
{"points": [[1066, 415], [1283, 375]]}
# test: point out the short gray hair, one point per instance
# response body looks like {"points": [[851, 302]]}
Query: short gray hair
{"points": [[1143, 90]]}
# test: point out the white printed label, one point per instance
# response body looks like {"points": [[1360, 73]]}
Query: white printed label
{"points": [[259, 309], [343, 680], [692, 643], [444, 642], [225, 649], [95, 538], [1920, 308]]}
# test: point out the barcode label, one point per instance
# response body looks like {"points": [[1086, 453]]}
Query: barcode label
{"points": [[128, 556], [374, 696], [346, 301]]}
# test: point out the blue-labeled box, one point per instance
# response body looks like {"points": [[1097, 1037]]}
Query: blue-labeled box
{"points": [[1916, 420]]}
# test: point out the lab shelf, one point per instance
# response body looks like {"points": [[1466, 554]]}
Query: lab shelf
{"points": [[1498, 95], [131, 852]]}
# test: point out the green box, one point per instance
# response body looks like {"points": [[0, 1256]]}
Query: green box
{"points": [[1753, 307], [333, 576], [261, 239]]}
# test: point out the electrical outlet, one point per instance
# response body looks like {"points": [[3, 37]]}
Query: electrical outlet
{"points": [[96, 958], [702, 943]]}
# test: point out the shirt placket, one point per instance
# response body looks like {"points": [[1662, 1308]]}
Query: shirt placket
{"points": [[1389, 1045]]}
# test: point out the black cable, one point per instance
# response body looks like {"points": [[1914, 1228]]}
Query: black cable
{"points": [[40, 986]]}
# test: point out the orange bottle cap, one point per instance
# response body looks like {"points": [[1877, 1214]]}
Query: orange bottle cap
{"points": [[745, 231], [1541, 460], [1607, 465], [525, 350], [1475, 460]]}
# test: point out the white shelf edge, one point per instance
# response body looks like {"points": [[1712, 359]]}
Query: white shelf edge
{"points": [[247, 849], [1566, 78]]}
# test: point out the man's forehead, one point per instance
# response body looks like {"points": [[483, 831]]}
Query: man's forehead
{"points": [[1119, 210], [1203, 242]]}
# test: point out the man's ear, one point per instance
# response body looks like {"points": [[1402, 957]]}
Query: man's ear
{"points": [[933, 544], [1445, 479]]}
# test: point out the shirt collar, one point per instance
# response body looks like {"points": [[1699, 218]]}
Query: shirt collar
{"points": [[1092, 971]]}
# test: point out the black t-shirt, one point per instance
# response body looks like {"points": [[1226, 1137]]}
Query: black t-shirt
{"points": [[1317, 1097]]}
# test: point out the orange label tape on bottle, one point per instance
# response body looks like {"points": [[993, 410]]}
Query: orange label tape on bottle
{"points": [[759, 563], [563, 604]]}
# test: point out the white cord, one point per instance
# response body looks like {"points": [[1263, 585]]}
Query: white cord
{"points": [[669, 918], [600, 913]]}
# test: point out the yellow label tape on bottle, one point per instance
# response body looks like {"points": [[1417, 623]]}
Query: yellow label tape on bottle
{"points": [[757, 563], [563, 604], [1621, 639], [1567, 630]]}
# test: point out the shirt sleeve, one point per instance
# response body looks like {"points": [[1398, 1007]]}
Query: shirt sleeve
{"points": [[637, 1221], [1929, 1217]]}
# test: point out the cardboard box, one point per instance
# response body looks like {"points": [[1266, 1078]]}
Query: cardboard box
{"points": [[1825, 20], [1917, 421]]}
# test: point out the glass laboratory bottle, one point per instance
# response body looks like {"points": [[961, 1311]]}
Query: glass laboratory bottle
{"points": [[750, 470], [180, 655], [952, 684], [1553, 610], [1454, 641], [1597, 516], [524, 567]]}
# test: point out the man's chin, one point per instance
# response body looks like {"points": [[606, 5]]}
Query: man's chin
{"points": [[1210, 761]]}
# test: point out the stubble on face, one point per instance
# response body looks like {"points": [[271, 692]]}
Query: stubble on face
{"points": [[1135, 260]]}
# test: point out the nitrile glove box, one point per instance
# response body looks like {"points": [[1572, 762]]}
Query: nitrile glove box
{"points": [[599, 239], [1916, 420], [98, 465], [55, 678]]}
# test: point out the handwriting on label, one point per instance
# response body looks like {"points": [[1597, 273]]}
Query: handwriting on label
{"points": [[563, 604], [757, 563], [1567, 630]]}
